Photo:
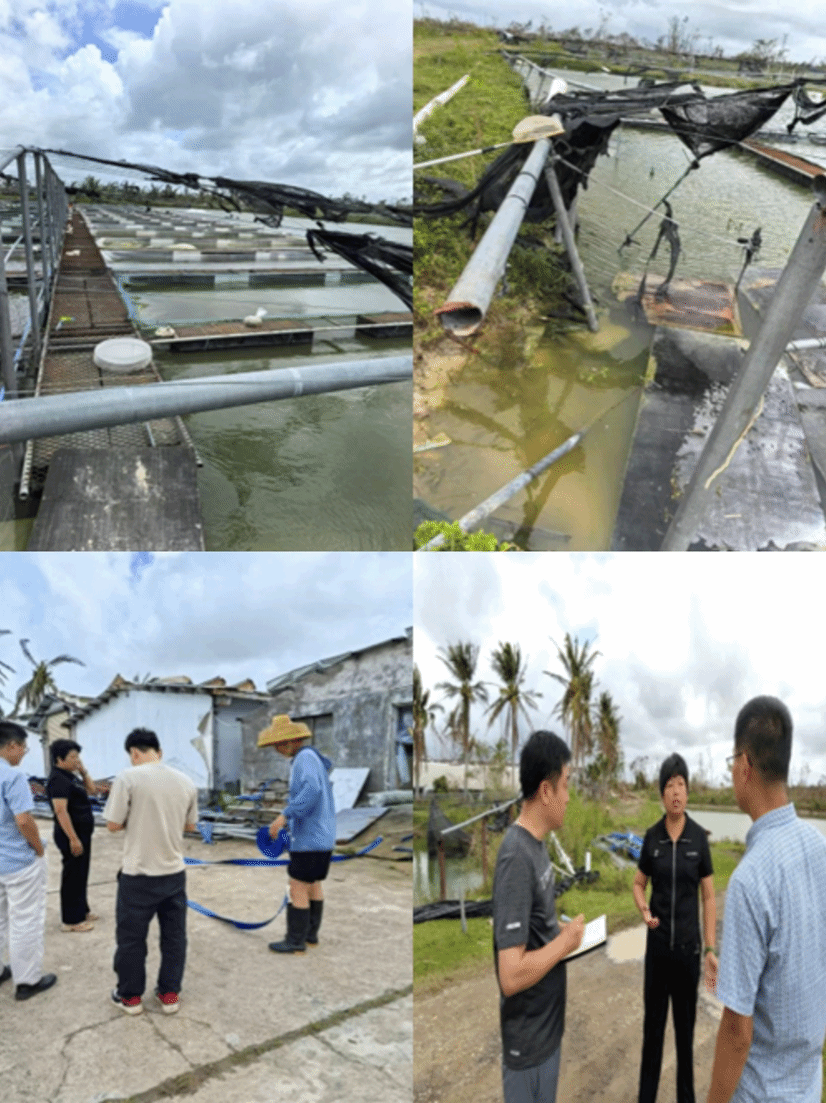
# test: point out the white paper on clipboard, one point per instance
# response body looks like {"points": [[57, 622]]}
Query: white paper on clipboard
{"points": [[595, 933]]}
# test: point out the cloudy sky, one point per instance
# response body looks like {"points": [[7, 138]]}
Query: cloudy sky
{"points": [[316, 94], [734, 26], [685, 640], [246, 615]]}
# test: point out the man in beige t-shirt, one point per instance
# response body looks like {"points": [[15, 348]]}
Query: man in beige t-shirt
{"points": [[153, 804]]}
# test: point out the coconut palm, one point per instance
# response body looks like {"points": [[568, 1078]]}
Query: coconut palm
{"points": [[423, 714], [575, 707], [31, 693], [506, 660], [607, 733], [460, 659]]}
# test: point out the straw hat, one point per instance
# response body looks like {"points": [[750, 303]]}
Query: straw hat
{"points": [[281, 730]]}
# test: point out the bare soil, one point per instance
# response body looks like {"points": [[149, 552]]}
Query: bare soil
{"points": [[457, 1050]]}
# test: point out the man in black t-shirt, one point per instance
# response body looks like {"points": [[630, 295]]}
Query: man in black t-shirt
{"points": [[529, 943]]}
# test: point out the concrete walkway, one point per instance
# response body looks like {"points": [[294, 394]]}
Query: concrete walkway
{"points": [[253, 1027]]}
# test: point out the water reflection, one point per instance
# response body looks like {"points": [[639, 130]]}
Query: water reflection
{"points": [[460, 876]]}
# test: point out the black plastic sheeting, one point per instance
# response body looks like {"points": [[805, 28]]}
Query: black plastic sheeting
{"points": [[481, 909]]}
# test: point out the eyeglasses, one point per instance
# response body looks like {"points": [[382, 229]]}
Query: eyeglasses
{"points": [[731, 758]]}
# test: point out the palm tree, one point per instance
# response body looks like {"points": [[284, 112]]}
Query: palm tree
{"points": [[608, 741], [460, 659], [506, 660], [31, 693], [575, 707], [423, 714]]}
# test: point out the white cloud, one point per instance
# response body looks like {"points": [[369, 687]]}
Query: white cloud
{"points": [[684, 640], [316, 95]]}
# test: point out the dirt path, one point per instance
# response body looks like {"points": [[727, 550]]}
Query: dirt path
{"points": [[457, 1046]]}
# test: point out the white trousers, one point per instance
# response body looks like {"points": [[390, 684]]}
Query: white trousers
{"points": [[22, 920]]}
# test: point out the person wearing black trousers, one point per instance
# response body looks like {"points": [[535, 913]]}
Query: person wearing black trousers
{"points": [[73, 826], [675, 856]]}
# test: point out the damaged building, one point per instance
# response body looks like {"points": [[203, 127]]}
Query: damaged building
{"points": [[359, 707]]}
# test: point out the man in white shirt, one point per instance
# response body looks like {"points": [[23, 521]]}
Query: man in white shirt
{"points": [[153, 804]]}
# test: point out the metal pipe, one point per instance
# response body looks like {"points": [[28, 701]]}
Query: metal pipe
{"points": [[801, 275], [470, 297], [30, 273], [54, 415], [9, 378], [45, 266], [570, 245], [437, 101]]}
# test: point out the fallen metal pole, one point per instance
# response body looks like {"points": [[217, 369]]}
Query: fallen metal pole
{"points": [[794, 289], [438, 101], [54, 415], [570, 246], [484, 509], [470, 297]]}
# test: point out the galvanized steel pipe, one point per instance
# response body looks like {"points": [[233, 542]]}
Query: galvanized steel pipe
{"points": [[54, 415], [469, 300], [801, 275]]}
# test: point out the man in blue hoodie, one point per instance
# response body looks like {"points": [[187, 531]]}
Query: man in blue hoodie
{"points": [[310, 817]]}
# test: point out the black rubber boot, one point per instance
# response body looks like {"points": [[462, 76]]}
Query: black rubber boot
{"points": [[316, 912], [298, 920]]}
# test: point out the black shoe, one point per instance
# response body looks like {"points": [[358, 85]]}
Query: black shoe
{"points": [[298, 921], [26, 991], [6, 974], [316, 912]]}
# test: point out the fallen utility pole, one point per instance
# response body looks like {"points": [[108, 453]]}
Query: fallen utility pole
{"points": [[54, 415], [470, 297], [742, 406]]}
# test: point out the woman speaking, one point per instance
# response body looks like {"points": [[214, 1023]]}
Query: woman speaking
{"points": [[676, 857]]}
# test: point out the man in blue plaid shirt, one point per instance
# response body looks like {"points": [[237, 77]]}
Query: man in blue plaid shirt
{"points": [[772, 977]]}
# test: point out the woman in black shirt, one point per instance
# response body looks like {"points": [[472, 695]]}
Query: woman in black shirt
{"points": [[73, 827], [675, 855]]}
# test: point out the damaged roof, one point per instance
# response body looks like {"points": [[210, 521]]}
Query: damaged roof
{"points": [[173, 684], [284, 681]]}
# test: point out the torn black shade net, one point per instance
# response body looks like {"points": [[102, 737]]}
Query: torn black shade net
{"points": [[388, 261], [806, 110], [265, 199], [706, 126]]}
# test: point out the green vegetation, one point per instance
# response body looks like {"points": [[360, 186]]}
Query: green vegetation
{"points": [[483, 113], [456, 539]]}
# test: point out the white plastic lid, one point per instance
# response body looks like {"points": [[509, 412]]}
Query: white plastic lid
{"points": [[122, 354]]}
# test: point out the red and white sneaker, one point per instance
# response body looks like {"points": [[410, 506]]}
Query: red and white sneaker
{"points": [[132, 1005], [168, 1001]]}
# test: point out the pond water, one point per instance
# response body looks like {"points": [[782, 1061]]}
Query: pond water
{"points": [[735, 825], [459, 875], [503, 416]]}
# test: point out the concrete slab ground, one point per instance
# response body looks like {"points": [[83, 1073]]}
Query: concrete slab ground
{"points": [[332, 1025]]}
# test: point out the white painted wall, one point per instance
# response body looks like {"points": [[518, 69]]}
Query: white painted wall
{"points": [[174, 717], [478, 776]]}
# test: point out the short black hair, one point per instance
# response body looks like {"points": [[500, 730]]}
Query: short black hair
{"points": [[543, 757], [143, 739], [763, 730], [12, 733], [61, 747], [674, 766]]}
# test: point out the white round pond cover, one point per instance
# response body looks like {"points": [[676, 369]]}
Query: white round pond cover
{"points": [[122, 354]]}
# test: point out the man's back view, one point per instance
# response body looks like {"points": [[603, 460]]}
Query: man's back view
{"points": [[153, 804]]}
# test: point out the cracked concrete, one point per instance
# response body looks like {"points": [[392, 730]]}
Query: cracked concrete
{"points": [[331, 1025]]}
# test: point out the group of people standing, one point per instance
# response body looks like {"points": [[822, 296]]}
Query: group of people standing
{"points": [[153, 804], [770, 975]]}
